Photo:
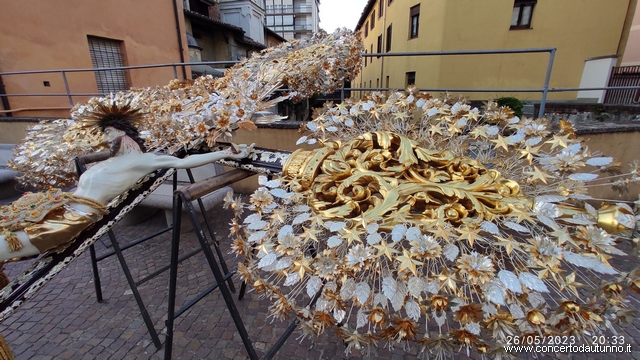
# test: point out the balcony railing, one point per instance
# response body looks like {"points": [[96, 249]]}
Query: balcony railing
{"points": [[544, 90]]}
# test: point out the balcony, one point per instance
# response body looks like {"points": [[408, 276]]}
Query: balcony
{"points": [[288, 9]]}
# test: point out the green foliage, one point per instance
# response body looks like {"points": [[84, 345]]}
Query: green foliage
{"points": [[513, 103]]}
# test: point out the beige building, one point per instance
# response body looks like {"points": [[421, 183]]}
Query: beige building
{"points": [[74, 34], [583, 31], [293, 19]]}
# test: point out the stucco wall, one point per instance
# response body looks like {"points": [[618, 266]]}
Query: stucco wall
{"points": [[41, 35], [593, 28]]}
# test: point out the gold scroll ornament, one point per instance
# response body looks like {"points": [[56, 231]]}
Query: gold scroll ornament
{"points": [[387, 178]]}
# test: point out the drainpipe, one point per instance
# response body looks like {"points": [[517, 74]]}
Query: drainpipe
{"points": [[179, 32], [5, 100]]}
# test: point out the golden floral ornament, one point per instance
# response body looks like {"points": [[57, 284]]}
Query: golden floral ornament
{"points": [[421, 213], [189, 115]]}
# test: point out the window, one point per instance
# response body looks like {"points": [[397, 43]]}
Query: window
{"points": [[366, 29], [377, 83], [387, 82], [372, 20], [390, 1], [522, 13], [369, 84], [107, 53], [365, 58], [379, 45], [388, 47], [371, 52], [380, 8], [410, 78], [414, 21]]}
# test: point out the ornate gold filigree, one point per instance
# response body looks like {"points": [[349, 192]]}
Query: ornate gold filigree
{"points": [[377, 174]]}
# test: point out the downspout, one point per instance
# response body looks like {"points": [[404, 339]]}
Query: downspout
{"points": [[5, 100], [383, 46], [179, 32]]}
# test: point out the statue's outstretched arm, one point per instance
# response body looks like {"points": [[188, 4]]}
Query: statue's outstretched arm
{"points": [[166, 161]]}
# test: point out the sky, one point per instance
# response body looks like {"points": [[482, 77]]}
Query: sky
{"points": [[340, 13]]}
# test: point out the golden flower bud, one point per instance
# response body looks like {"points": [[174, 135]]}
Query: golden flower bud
{"points": [[535, 317]]}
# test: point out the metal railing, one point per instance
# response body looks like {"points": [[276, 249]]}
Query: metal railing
{"points": [[544, 90]]}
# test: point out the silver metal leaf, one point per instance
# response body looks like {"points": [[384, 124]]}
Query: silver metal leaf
{"points": [[257, 236], [373, 238], [302, 140], [413, 310], [338, 225], [589, 263], [292, 279], [264, 181], [493, 292], [535, 298], [380, 299], [398, 232], [389, 287], [252, 218], [413, 234], [348, 289], [397, 301], [591, 210], [451, 252], [433, 286], [283, 263], [532, 282], [583, 177], [361, 319], [415, 286], [490, 227], [599, 161], [489, 309], [516, 311], [313, 286], [267, 260], [280, 193], [257, 225], [362, 292], [301, 218], [515, 226], [334, 241], [372, 228], [284, 231], [473, 327], [510, 281], [627, 220], [339, 314]]}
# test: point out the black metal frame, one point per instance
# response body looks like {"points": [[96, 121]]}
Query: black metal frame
{"points": [[182, 198], [117, 250]]}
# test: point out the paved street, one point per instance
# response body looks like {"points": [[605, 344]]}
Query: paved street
{"points": [[64, 320]]}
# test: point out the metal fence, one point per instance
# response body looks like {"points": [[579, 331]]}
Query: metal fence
{"points": [[544, 90], [624, 76]]}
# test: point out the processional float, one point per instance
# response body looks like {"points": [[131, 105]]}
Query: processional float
{"points": [[417, 219]]}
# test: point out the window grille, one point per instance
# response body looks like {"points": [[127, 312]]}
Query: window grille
{"points": [[106, 53]]}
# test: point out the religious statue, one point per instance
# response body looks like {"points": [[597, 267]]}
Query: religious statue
{"points": [[39, 222]]}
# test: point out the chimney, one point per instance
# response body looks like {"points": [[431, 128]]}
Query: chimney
{"points": [[214, 11]]}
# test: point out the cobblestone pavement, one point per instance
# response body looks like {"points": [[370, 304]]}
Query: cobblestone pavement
{"points": [[64, 320]]}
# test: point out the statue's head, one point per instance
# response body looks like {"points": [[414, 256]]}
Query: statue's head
{"points": [[116, 121]]}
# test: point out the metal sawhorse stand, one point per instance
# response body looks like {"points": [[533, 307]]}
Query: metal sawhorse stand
{"points": [[183, 197], [117, 250]]}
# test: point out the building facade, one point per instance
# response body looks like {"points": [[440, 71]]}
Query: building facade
{"points": [[293, 19], [581, 30], [74, 34]]}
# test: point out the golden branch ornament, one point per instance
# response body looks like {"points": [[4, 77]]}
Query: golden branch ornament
{"points": [[421, 219]]}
